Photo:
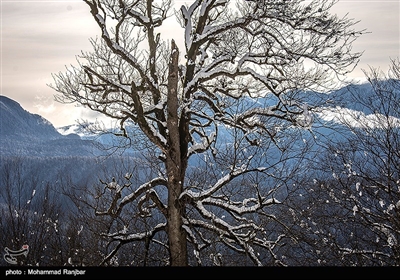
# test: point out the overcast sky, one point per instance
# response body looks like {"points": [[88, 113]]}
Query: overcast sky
{"points": [[42, 37]]}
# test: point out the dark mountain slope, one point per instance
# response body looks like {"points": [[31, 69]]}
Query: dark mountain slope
{"points": [[26, 134]]}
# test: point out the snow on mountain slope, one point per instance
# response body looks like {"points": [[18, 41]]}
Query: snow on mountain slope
{"points": [[360, 105], [355, 118]]}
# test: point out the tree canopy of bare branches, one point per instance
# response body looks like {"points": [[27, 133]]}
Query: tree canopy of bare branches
{"points": [[241, 69]]}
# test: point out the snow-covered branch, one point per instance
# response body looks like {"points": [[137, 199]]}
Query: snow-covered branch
{"points": [[144, 189], [202, 147], [241, 73], [124, 237], [245, 208]]}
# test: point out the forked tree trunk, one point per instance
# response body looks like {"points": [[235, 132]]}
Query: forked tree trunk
{"points": [[175, 169]]}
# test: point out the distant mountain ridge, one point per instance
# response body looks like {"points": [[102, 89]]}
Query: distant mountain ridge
{"points": [[16, 121], [26, 134]]}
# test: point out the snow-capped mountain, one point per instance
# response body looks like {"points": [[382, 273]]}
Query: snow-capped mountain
{"points": [[82, 130], [104, 137]]}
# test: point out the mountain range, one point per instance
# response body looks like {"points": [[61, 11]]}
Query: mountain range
{"points": [[34, 153], [30, 135]]}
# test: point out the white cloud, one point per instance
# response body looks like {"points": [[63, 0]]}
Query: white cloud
{"points": [[354, 118]]}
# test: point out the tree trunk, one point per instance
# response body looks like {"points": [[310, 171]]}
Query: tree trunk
{"points": [[175, 169]]}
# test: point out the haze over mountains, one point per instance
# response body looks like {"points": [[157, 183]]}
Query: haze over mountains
{"points": [[33, 151], [30, 135]]}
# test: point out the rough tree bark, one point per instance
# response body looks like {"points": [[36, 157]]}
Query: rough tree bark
{"points": [[175, 166]]}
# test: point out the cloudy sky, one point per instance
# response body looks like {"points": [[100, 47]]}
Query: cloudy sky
{"points": [[43, 37]]}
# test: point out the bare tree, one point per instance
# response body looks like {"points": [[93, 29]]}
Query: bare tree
{"points": [[353, 202], [371, 160], [31, 214], [243, 67]]}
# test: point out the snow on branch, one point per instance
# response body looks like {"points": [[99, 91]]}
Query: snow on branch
{"points": [[241, 234], [196, 196], [204, 146], [151, 195], [122, 236], [187, 16], [115, 209], [114, 46], [230, 207]]}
